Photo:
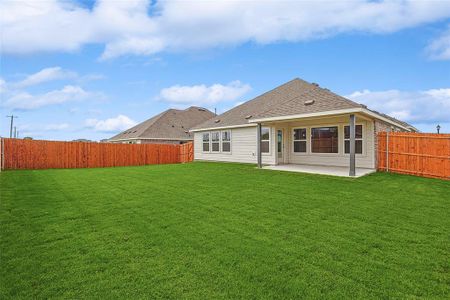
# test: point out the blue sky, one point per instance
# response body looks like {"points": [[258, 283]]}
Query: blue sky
{"points": [[90, 69]]}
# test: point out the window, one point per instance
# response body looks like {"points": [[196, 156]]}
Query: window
{"points": [[215, 142], [206, 142], [324, 140], [226, 141], [300, 140], [265, 140], [358, 139]]}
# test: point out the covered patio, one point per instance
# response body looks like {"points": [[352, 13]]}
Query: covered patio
{"points": [[322, 170], [329, 143]]}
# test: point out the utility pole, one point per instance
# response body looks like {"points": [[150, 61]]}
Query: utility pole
{"points": [[12, 122]]}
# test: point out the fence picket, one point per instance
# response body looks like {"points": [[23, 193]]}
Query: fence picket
{"points": [[421, 154], [35, 154]]}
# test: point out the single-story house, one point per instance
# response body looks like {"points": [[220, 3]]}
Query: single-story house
{"points": [[169, 127], [296, 123]]}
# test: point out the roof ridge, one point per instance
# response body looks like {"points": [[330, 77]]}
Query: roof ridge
{"points": [[281, 85], [154, 119], [312, 86]]}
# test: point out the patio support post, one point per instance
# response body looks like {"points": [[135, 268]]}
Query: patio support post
{"points": [[352, 171], [258, 145]]}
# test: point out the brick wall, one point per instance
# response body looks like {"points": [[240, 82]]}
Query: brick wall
{"points": [[380, 126]]}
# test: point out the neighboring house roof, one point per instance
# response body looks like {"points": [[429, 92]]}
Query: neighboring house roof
{"points": [[83, 140], [296, 97], [172, 124]]}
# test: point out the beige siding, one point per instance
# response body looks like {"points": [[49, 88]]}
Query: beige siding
{"points": [[244, 144], [364, 160], [243, 148]]}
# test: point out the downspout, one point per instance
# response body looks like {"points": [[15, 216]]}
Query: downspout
{"points": [[258, 145], [352, 171]]}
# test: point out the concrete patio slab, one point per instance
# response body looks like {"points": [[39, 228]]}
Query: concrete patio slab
{"points": [[323, 170]]}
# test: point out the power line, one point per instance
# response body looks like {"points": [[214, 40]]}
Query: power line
{"points": [[12, 122]]}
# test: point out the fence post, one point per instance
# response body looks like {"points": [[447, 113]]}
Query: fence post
{"points": [[1, 154], [387, 151]]}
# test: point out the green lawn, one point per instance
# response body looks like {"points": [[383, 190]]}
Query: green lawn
{"points": [[210, 230]]}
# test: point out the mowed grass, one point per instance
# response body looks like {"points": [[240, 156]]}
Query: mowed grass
{"points": [[211, 230]]}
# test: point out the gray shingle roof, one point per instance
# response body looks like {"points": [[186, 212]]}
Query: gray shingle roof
{"points": [[172, 124], [288, 99]]}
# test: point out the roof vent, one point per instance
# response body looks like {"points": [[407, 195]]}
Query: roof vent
{"points": [[186, 131], [201, 109], [173, 126], [309, 102], [217, 121], [315, 84], [248, 117]]}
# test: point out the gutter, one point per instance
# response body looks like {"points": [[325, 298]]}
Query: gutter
{"points": [[331, 113], [223, 127]]}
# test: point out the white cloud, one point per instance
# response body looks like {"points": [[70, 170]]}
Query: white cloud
{"points": [[418, 107], [125, 27], [2, 85], [204, 95], [25, 101], [119, 123], [45, 75], [440, 48], [15, 96]]}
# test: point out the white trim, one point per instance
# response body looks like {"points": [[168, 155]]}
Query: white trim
{"points": [[310, 139], [222, 127], [341, 145], [215, 142], [283, 145], [208, 142], [294, 140], [363, 139], [222, 141], [328, 113], [270, 140], [300, 116]]}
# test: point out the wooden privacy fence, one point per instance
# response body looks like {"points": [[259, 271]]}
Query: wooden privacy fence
{"points": [[33, 154], [186, 152], [421, 154]]}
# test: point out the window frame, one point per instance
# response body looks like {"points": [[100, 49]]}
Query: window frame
{"points": [[301, 140], [311, 140], [215, 142], [208, 142], [222, 140], [363, 148], [269, 140]]}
